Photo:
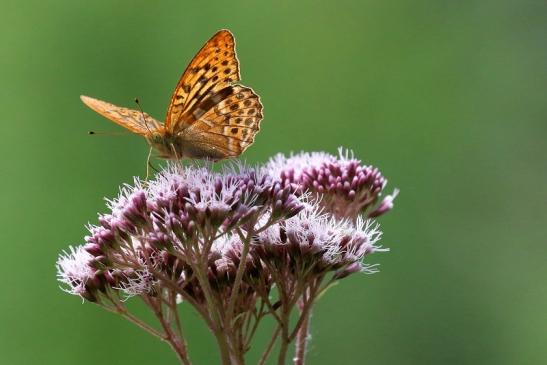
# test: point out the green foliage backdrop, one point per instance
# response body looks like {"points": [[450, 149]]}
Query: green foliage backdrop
{"points": [[446, 97]]}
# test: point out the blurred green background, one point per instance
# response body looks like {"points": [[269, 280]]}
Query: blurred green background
{"points": [[448, 98]]}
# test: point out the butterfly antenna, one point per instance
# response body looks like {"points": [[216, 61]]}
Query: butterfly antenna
{"points": [[143, 115], [108, 133]]}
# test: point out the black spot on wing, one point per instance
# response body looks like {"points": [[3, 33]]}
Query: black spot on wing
{"points": [[210, 100]]}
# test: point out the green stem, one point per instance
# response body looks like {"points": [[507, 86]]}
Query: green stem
{"points": [[176, 343], [241, 268], [269, 348], [131, 318], [281, 359], [302, 340], [216, 327]]}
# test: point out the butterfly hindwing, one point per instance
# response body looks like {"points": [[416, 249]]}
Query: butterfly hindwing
{"points": [[232, 123], [212, 69], [134, 120]]}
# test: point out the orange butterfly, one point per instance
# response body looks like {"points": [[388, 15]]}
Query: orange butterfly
{"points": [[209, 117]]}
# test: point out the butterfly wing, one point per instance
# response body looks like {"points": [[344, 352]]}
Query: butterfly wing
{"points": [[214, 117], [212, 69], [229, 125], [134, 120]]}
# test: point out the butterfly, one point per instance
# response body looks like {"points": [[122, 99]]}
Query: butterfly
{"points": [[210, 115]]}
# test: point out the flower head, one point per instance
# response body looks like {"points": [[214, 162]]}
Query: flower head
{"points": [[167, 224], [77, 272], [314, 243], [74, 271], [341, 184]]}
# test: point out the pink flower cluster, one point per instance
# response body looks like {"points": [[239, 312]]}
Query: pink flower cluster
{"points": [[238, 245]]}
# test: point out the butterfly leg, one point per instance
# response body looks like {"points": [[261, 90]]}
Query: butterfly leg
{"points": [[149, 164], [178, 159], [175, 151]]}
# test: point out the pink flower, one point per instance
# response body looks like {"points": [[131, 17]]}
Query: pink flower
{"points": [[341, 184]]}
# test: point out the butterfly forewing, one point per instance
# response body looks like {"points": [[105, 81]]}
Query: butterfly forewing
{"points": [[214, 68], [134, 120]]}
